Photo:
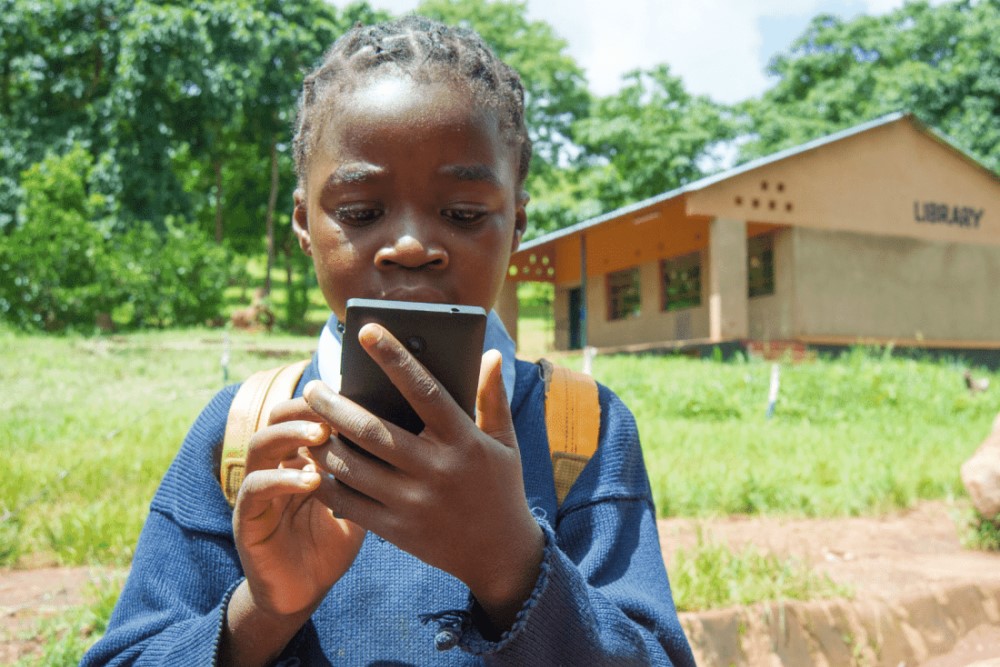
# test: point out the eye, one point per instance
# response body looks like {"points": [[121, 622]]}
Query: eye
{"points": [[358, 215], [463, 216]]}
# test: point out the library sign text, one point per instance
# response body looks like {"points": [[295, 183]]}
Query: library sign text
{"points": [[944, 214]]}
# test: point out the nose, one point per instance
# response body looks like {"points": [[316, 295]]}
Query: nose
{"points": [[410, 246]]}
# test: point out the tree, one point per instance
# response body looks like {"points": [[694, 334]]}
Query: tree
{"points": [[50, 265], [295, 35], [555, 86], [556, 93], [56, 66], [650, 137], [940, 63]]}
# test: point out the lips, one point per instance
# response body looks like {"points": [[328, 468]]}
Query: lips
{"points": [[422, 293]]}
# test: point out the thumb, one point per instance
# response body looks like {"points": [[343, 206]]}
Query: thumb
{"points": [[492, 409]]}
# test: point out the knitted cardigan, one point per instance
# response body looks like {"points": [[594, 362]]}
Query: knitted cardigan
{"points": [[602, 596]]}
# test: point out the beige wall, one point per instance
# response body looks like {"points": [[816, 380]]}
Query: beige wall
{"points": [[727, 279], [874, 182], [560, 310], [652, 325], [853, 285]]}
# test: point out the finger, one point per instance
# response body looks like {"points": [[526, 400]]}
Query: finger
{"points": [[492, 408], [355, 468], [262, 486], [346, 503], [435, 406], [378, 437], [295, 409], [274, 444]]}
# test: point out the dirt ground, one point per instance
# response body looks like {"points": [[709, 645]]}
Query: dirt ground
{"points": [[887, 558]]}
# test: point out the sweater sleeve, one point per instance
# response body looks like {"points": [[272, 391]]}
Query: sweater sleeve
{"points": [[185, 567], [602, 597]]}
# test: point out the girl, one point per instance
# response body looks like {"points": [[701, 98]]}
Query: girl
{"points": [[446, 547]]}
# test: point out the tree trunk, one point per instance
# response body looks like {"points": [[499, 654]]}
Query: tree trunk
{"points": [[217, 166], [288, 270], [272, 201]]}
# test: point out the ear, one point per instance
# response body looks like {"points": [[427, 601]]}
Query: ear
{"points": [[300, 221], [520, 220]]}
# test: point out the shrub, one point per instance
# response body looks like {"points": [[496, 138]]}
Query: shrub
{"points": [[49, 265], [172, 278], [63, 266]]}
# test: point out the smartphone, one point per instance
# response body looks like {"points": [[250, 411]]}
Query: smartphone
{"points": [[447, 339]]}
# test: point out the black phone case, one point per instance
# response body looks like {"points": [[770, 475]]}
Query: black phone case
{"points": [[447, 339]]}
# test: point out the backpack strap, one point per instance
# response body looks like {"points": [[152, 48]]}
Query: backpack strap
{"points": [[249, 412], [573, 422]]}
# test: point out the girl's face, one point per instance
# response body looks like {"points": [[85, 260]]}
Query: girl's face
{"points": [[412, 195]]}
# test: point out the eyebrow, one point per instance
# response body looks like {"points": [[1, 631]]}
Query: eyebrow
{"points": [[472, 172], [357, 172]]}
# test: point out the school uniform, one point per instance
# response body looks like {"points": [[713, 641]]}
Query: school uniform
{"points": [[601, 598]]}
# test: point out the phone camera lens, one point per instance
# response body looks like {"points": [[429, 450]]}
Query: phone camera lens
{"points": [[416, 344]]}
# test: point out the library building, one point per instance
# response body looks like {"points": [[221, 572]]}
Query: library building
{"points": [[882, 234]]}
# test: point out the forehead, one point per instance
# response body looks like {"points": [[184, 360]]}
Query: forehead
{"points": [[394, 113]]}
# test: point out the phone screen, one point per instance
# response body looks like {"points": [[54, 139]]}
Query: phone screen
{"points": [[447, 339]]}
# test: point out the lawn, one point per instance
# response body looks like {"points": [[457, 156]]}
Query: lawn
{"points": [[88, 425]]}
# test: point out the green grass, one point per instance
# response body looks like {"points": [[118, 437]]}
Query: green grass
{"points": [[88, 426], [711, 575], [64, 638], [862, 434], [978, 532]]}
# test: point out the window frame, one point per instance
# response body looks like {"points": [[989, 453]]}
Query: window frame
{"points": [[613, 294], [694, 259], [761, 281]]}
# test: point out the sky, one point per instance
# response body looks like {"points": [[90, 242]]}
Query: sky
{"points": [[719, 48]]}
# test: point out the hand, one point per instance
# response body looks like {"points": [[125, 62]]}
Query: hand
{"points": [[292, 548], [453, 495]]}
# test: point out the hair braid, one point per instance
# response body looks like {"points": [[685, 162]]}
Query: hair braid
{"points": [[421, 48]]}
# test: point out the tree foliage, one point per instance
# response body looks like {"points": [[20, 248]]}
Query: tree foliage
{"points": [[650, 137], [64, 268], [555, 86], [940, 63], [131, 131]]}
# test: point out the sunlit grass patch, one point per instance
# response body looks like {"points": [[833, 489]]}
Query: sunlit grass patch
{"points": [[63, 639], [862, 434], [978, 532], [712, 575]]}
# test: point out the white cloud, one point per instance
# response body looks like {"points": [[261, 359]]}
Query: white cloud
{"points": [[715, 46]]}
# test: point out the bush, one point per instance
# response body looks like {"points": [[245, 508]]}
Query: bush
{"points": [[166, 279], [49, 265], [64, 268]]}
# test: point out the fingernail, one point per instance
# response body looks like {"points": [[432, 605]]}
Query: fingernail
{"points": [[319, 432], [370, 333]]}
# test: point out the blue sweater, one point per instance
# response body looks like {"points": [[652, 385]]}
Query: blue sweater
{"points": [[602, 597]]}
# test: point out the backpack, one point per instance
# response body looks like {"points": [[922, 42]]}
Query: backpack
{"points": [[572, 420]]}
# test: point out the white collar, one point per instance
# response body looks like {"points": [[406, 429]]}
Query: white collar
{"points": [[497, 338]]}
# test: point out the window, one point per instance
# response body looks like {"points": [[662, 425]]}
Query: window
{"points": [[760, 265], [623, 294], [681, 281]]}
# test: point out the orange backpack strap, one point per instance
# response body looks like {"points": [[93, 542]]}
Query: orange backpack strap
{"points": [[249, 412], [573, 422]]}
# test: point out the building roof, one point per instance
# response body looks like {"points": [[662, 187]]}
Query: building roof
{"points": [[730, 175]]}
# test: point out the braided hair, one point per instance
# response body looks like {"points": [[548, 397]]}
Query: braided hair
{"points": [[423, 49]]}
